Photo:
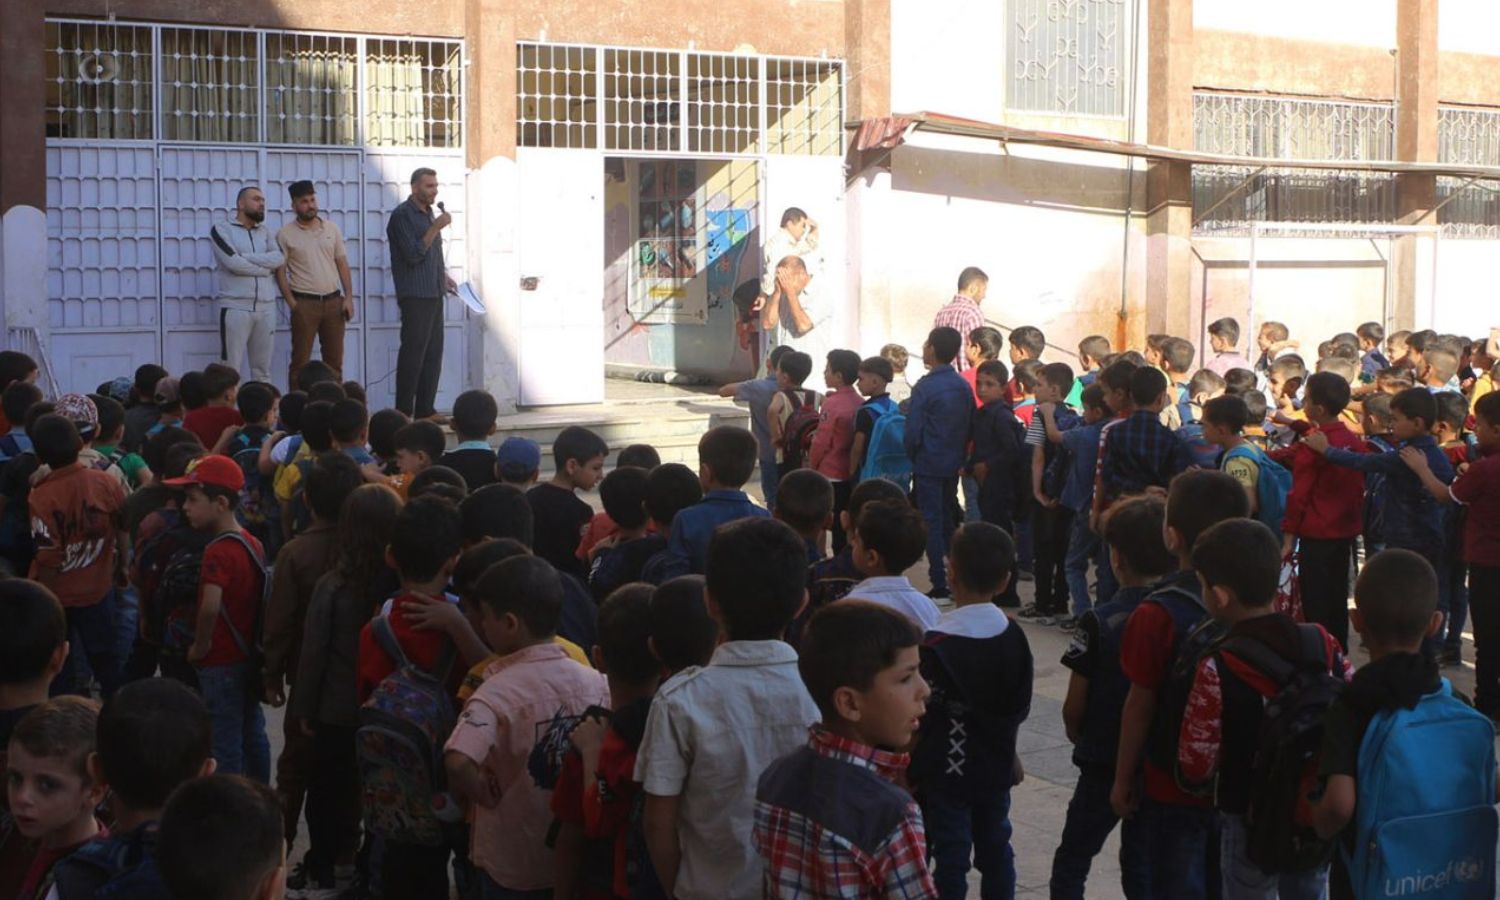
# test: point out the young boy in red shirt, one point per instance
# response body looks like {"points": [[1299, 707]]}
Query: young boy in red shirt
{"points": [[209, 422]]}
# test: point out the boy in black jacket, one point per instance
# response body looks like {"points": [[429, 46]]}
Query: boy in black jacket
{"points": [[980, 668], [999, 459]]}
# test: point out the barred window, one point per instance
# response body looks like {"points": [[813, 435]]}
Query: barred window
{"points": [[804, 107], [1069, 56], [642, 99], [723, 103], [312, 89], [413, 93], [210, 85], [557, 88], [1469, 137], [99, 81]]}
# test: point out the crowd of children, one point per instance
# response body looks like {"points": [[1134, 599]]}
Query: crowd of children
{"points": [[493, 689]]}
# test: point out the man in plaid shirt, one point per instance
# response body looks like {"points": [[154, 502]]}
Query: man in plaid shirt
{"points": [[962, 312], [860, 663]]}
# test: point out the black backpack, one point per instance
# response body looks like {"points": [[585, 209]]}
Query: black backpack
{"points": [[1198, 636], [1278, 824], [166, 573]]}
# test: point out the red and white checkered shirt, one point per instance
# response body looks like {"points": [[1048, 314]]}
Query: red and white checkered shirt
{"points": [[962, 315], [858, 835]]}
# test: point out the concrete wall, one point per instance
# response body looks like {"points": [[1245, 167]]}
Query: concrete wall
{"points": [[1364, 23], [1467, 272]]}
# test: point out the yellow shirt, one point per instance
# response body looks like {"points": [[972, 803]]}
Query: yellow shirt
{"points": [[475, 676], [289, 477]]}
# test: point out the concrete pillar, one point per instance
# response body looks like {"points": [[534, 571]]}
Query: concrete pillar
{"points": [[1416, 141], [1169, 185], [867, 39], [493, 197], [23, 168]]}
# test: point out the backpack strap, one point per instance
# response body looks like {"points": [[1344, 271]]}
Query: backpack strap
{"points": [[385, 635], [1312, 652], [234, 632]]}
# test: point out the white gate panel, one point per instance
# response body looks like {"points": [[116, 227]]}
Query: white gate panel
{"points": [[103, 291], [387, 184]]}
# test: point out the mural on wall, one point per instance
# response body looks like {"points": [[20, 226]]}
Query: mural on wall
{"points": [[667, 244]]}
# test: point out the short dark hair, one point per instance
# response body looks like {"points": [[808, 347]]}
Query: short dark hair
{"points": [[1290, 367], [218, 378], [526, 587], [945, 343], [1093, 398], [19, 396], [773, 359], [420, 173], [1059, 375], [300, 189], [845, 364], [428, 532], [1488, 408], [1027, 373], [1205, 381], [847, 644], [1227, 412], [422, 437], [671, 488], [1238, 381], [1373, 332], [993, 368], [254, 402], [315, 372], [1257, 404], [290, 410], [433, 477], [1327, 390], [1226, 329], [327, 392], [1396, 594], [1030, 339], [989, 341], [146, 377], [804, 499], [155, 449], [382, 431], [1132, 528], [55, 440], [353, 390], [796, 366], [1417, 404], [330, 481], [872, 490], [730, 453], [896, 531], [1147, 385], [970, 275], [983, 557], [1276, 331], [32, 627], [1452, 409], [878, 366], [1200, 498], [191, 391], [1242, 555], [1178, 354], [623, 494], [477, 560], [15, 366], [220, 838], [474, 414], [577, 444], [1095, 347], [638, 456], [63, 728], [498, 511], [317, 421], [1116, 376], [624, 627], [1418, 340], [154, 735], [348, 421], [1378, 406], [791, 216], [757, 575], [681, 628], [111, 417]]}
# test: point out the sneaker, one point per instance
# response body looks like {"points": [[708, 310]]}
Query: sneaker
{"points": [[298, 877], [1025, 575], [1452, 656], [940, 594], [1068, 623], [1030, 612], [315, 888]]}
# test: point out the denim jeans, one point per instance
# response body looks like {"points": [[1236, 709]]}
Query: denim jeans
{"points": [[769, 480], [1243, 880], [1104, 572], [239, 726], [1083, 547], [493, 891], [936, 499], [1090, 820], [1177, 848], [127, 624], [971, 499], [957, 826], [91, 630], [1458, 603]]}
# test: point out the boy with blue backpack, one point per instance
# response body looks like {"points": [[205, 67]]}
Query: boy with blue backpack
{"points": [[879, 428], [1266, 482], [1407, 822], [259, 513]]}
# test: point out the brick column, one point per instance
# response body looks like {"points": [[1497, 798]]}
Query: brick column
{"points": [[1416, 141], [23, 167], [1169, 185], [867, 39]]}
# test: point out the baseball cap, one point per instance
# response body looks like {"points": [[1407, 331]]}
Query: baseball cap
{"points": [[81, 411], [118, 389], [214, 470], [518, 457], [166, 391]]}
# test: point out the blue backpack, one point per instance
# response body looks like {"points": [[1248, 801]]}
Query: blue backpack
{"points": [[1425, 824], [886, 457], [1271, 488], [1204, 454]]}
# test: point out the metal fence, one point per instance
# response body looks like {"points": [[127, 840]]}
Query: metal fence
{"points": [[1469, 209], [1069, 56]]}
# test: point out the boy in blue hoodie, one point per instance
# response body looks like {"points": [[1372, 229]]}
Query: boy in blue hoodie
{"points": [[937, 436]]}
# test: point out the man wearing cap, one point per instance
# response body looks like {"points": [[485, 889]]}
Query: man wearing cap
{"points": [[518, 462], [315, 282], [248, 258]]}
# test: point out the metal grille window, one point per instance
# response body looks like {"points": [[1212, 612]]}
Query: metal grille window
{"points": [[1470, 137], [210, 87], [99, 80], [1227, 198], [723, 103], [312, 89], [557, 90], [413, 93], [642, 99], [804, 107], [1069, 56]]}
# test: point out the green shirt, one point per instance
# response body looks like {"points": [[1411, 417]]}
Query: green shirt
{"points": [[130, 464]]}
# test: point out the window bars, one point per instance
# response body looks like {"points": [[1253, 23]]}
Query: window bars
{"points": [[99, 80], [1472, 137], [1069, 56]]}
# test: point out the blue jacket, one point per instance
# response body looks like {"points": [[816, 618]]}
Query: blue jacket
{"points": [[1413, 519], [937, 423], [687, 547]]}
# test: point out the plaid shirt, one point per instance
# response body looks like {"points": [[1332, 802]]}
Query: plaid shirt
{"points": [[813, 849], [962, 315], [1137, 453]]}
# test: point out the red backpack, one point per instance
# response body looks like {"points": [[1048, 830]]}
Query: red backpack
{"points": [[801, 425]]}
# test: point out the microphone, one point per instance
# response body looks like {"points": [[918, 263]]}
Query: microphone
{"points": [[441, 207]]}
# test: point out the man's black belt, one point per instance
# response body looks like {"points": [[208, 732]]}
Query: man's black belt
{"points": [[303, 295]]}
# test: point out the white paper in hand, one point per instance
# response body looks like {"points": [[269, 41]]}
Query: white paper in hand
{"points": [[470, 298]]}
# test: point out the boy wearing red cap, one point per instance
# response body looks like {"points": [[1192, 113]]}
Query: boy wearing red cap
{"points": [[226, 622]]}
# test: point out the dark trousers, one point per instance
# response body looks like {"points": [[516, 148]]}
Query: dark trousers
{"points": [[419, 362], [1324, 575], [960, 826], [92, 633], [998, 509], [937, 500], [412, 870], [333, 799], [1050, 527], [294, 770], [1179, 841], [1452, 574], [1484, 609], [1090, 820], [841, 490]]}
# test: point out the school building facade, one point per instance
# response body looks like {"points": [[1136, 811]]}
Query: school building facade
{"points": [[613, 169]]}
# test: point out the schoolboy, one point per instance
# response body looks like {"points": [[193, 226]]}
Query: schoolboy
{"points": [[1452, 413], [618, 560], [1284, 380], [833, 578], [833, 441], [1177, 357], [1114, 380], [790, 397], [860, 662], [1239, 381], [221, 839], [1438, 370], [33, 649], [1025, 377], [1239, 564], [670, 489], [1224, 341], [474, 416], [965, 762], [875, 376], [1175, 824], [1091, 353], [1371, 337], [1026, 343], [1096, 697], [1224, 421], [1273, 342], [561, 515], [888, 539], [1051, 522], [382, 433], [518, 462], [1255, 432], [84, 414], [936, 439], [419, 446], [1139, 452], [143, 412], [15, 402], [998, 454], [1080, 449], [153, 736], [1204, 386], [75, 519], [227, 616], [713, 731], [726, 457], [106, 444], [218, 414], [757, 394], [16, 476], [15, 367], [899, 357], [807, 506], [683, 634], [982, 345], [534, 688], [51, 796]]}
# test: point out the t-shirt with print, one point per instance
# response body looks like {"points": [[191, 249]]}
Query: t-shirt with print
{"points": [[209, 422], [561, 518], [1245, 470], [230, 567], [1479, 491]]}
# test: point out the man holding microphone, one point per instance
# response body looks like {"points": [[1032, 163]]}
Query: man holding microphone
{"points": [[415, 236]]}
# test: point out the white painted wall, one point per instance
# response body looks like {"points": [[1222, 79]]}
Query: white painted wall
{"points": [[1467, 273], [1365, 23], [1469, 26], [946, 56]]}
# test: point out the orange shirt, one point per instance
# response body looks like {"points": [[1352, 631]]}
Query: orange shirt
{"points": [[74, 512]]}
